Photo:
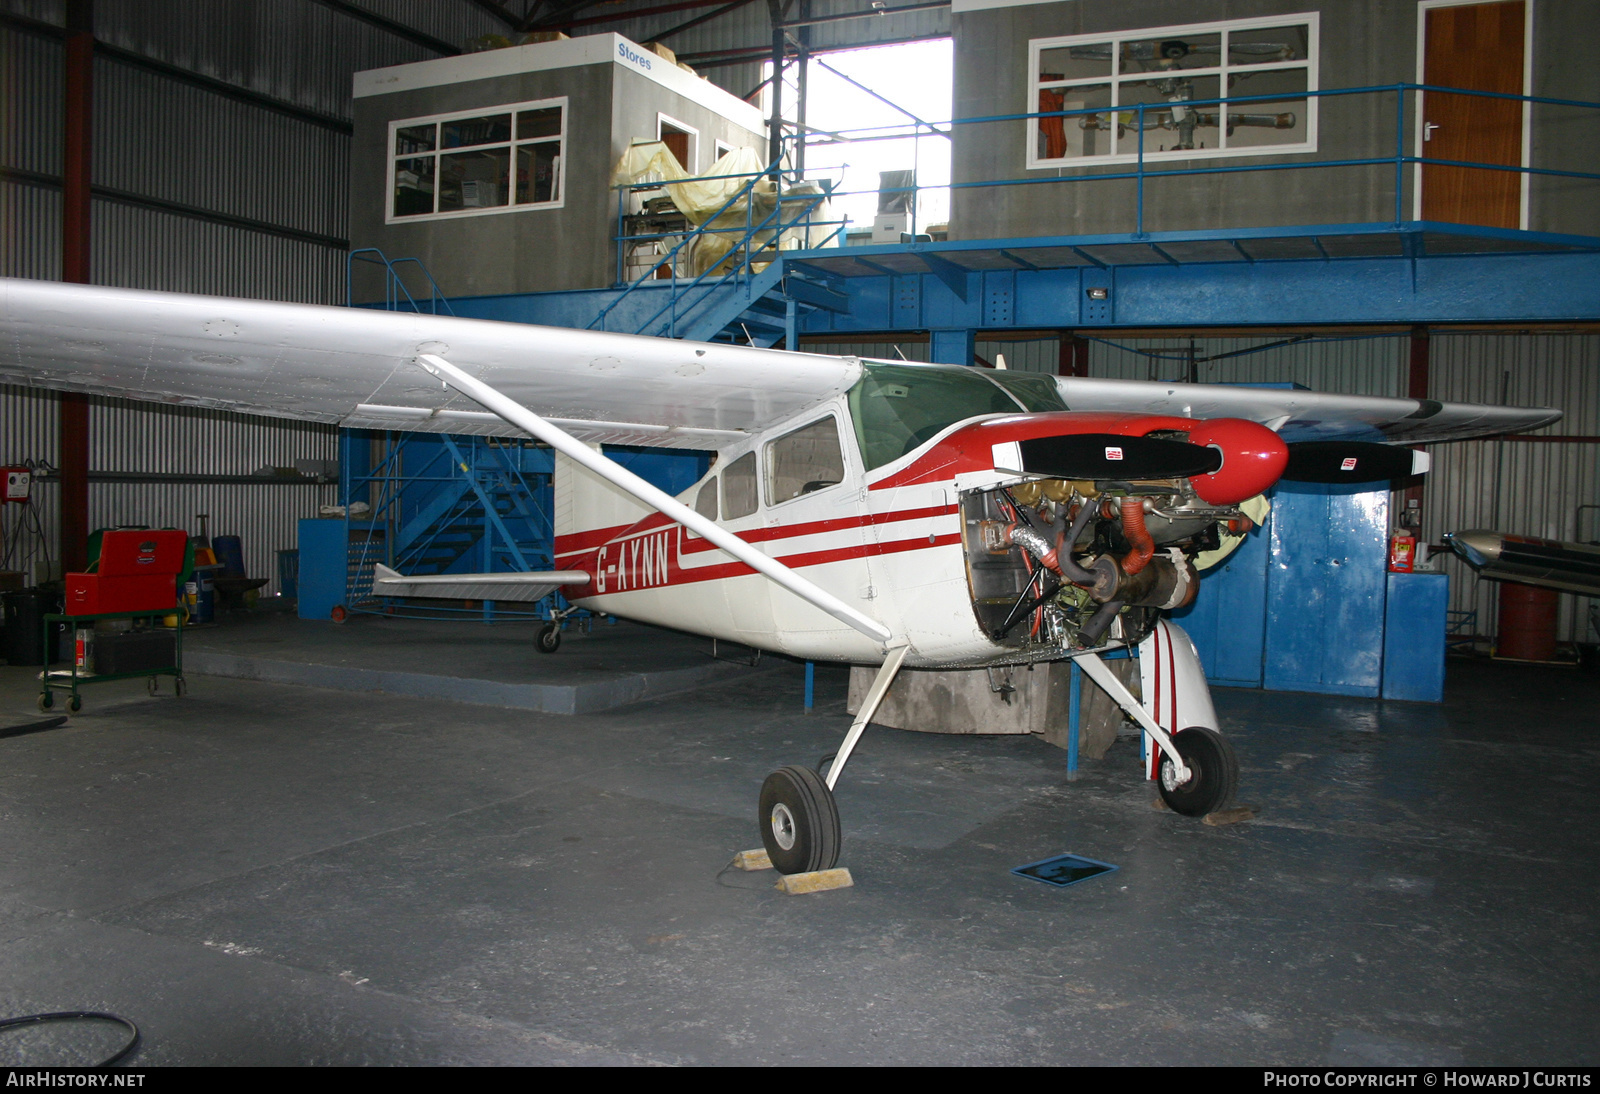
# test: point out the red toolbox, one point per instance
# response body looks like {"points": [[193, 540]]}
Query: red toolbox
{"points": [[138, 572]]}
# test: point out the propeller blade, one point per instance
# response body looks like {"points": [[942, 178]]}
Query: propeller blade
{"points": [[1352, 461], [1114, 456]]}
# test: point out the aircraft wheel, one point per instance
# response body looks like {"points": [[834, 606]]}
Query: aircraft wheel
{"points": [[549, 639], [1213, 773], [799, 821]]}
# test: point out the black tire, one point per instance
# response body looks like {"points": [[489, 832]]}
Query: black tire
{"points": [[75, 703], [46, 700], [798, 809], [152, 686], [179, 686], [1213, 773], [549, 639]]}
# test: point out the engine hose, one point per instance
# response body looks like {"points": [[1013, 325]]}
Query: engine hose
{"points": [[1141, 546], [1099, 623], [1070, 569], [1036, 545]]}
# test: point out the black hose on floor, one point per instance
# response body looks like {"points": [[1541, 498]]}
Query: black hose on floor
{"points": [[32, 727], [81, 1015]]}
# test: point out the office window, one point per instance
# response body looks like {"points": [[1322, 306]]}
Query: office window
{"points": [[1163, 69], [485, 161]]}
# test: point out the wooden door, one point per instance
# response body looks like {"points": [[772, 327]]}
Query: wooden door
{"points": [[677, 142], [1476, 46]]}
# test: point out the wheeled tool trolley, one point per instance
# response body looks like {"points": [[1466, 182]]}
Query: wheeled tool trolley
{"points": [[153, 652], [135, 579]]}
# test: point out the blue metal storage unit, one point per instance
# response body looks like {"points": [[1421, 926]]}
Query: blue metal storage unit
{"points": [[1414, 637], [1325, 589], [324, 567], [1307, 604]]}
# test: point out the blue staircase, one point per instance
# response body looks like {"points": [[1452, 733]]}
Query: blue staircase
{"points": [[748, 298]]}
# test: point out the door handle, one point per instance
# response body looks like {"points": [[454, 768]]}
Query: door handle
{"points": [[1427, 130]]}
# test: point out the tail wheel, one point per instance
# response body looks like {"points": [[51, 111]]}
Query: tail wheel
{"points": [[1213, 773], [548, 639], [799, 821], [338, 614]]}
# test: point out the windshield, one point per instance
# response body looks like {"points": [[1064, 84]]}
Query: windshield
{"points": [[895, 408]]}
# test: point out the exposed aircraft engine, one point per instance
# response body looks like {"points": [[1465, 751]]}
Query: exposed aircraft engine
{"points": [[1056, 564]]}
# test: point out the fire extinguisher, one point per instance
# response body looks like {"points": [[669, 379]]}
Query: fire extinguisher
{"points": [[1402, 552]]}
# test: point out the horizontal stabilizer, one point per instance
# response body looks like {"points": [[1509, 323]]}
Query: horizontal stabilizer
{"points": [[525, 587], [1352, 461]]}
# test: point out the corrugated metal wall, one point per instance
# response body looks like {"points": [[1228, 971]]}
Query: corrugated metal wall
{"points": [[1524, 487], [130, 436], [160, 138]]}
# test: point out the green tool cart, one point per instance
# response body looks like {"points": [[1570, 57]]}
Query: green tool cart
{"points": [[153, 652]]}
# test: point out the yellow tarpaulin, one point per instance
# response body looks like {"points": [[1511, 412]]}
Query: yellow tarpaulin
{"points": [[699, 198]]}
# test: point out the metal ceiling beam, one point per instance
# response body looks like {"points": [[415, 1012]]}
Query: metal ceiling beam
{"points": [[638, 13], [717, 14], [750, 54], [399, 30], [498, 12], [820, 19]]}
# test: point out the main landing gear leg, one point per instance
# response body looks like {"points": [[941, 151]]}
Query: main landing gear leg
{"points": [[798, 816]]}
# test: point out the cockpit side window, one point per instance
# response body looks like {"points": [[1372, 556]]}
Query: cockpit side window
{"points": [[706, 502], [804, 460], [895, 408], [739, 487], [1035, 391]]}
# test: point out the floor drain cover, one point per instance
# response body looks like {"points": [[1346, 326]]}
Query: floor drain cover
{"points": [[1063, 870]]}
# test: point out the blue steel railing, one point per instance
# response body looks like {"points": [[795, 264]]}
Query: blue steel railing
{"points": [[1140, 172], [735, 267], [394, 287]]}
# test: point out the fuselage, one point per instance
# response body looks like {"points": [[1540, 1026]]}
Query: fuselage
{"points": [[878, 523]]}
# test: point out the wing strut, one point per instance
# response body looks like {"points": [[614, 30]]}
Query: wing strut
{"points": [[869, 707], [568, 445]]}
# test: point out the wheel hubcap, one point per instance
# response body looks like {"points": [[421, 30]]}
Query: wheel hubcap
{"points": [[1169, 781], [783, 826]]}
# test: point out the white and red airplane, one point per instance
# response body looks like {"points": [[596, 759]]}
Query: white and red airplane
{"points": [[861, 511]]}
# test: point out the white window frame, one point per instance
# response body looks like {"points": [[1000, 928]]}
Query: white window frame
{"points": [[692, 167], [510, 207], [1311, 64], [723, 148]]}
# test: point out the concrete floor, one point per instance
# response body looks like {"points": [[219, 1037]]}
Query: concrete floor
{"points": [[264, 873]]}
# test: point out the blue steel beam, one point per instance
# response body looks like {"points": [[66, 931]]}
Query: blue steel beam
{"points": [[1557, 279]]}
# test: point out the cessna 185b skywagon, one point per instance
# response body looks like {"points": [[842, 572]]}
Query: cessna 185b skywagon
{"points": [[861, 511]]}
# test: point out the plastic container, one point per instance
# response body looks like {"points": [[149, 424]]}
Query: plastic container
{"points": [[230, 553], [24, 614]]}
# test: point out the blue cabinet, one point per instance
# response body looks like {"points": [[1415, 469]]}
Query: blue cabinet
{"points": [[1307, 604], [1326, 588], [1414, 635]]}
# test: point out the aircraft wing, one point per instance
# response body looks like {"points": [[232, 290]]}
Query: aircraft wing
{"points": [[356, 367], [523, 587], [1300, 416]]}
